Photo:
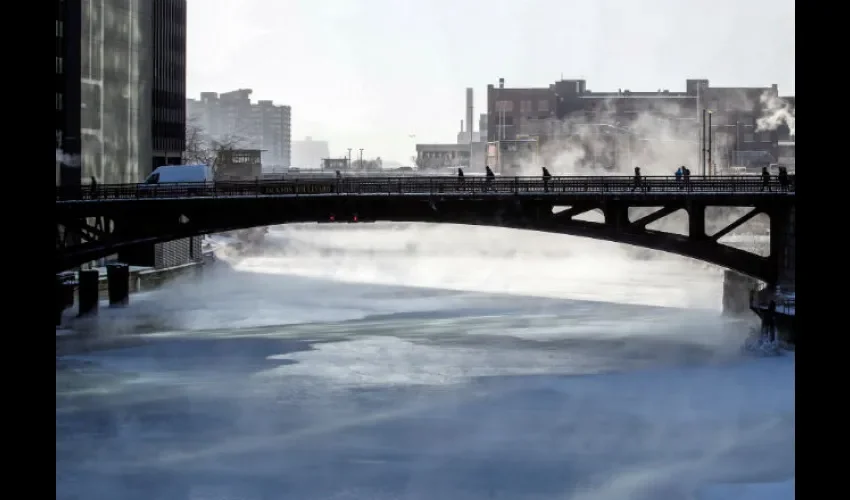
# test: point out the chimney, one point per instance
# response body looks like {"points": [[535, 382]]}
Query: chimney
{"points": [[461, 126], [469, 123], [501, 83]]}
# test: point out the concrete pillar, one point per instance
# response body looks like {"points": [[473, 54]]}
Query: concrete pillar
{"points": [[89, 291], [118, 282], [60, 300], [736, 293]]}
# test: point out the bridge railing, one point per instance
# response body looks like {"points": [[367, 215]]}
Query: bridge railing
{"points": [[412, 185]]}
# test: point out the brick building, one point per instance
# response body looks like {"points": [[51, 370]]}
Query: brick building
{"points": [[566, 110]]}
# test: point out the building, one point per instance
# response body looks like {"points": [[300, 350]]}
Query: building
{"points": [[309, 153], [117, 67], [67, 88], [239, 164], [169, 82], [232, 118], [552, 115], [442, 156]]}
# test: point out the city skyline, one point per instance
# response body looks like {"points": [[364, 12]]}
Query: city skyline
{"points": [[373, 74]]}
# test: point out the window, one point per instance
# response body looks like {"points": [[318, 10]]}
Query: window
{"points": [[58, 65], [748, 134], [543, 105], [58, 101], [504, 106], [525, 106], [59, 29]]}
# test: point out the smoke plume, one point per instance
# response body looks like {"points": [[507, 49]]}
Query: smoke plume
{"points": [[776, 112], [658, 140]]}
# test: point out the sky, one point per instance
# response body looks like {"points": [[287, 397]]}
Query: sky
{"points": [[383, 75]]}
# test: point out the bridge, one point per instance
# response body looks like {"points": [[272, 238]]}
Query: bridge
{"points": [[94, 223]]}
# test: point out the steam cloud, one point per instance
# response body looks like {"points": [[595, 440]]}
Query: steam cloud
{"points": [[67, 159], [777, 112], [664, 139]]}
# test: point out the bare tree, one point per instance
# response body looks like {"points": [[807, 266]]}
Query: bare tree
{"points": [[200, 148]]}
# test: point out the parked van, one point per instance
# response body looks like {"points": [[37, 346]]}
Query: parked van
{"points": [[195, 176], [167, 174]]}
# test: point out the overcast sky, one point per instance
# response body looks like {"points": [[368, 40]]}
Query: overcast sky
{"points": [[370, 73]]}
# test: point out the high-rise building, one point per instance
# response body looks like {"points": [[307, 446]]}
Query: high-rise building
{"points": [[116, 72], [67, 87], [120, 88], [231, 117], [169, 82]]}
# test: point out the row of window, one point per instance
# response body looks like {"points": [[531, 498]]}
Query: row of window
{"points": [[525, 106]]}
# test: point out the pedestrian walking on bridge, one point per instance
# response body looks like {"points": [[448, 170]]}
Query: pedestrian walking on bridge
{"points": [[546, 178], [489, 176], [783, 179], [638, 180], [765, 179]]}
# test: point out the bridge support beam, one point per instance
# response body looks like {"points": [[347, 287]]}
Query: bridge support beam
{"points": [[89, 291], [782, 255], [696, 221], [616, 215]]}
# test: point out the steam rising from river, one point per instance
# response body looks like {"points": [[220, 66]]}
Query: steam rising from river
{"points": [[427, 362]]}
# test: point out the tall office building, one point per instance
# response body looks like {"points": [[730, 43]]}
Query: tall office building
{"points": [[116, 69], [232, 115], [120, 88], [67, 87], [169, 82]]}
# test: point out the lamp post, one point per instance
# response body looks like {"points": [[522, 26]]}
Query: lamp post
{"points": [[709, 143]]}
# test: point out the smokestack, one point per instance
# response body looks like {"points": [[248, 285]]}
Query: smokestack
{"points": [[469, 123], [461, 126], [501, 83]]}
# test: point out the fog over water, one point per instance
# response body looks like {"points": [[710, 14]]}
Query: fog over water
{"points": [[407, 361]]}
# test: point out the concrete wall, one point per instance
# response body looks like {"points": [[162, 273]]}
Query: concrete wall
{"points": [[178, 252]]}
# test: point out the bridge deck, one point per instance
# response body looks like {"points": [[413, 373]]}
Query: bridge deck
{"points": [[575, 187]]}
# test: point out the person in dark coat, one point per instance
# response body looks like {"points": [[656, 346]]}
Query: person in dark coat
{"points": [[783, 178], [765, 179], [546, 178], [637, 184]]}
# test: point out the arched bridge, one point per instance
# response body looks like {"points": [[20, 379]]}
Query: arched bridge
{"points": [[93, 223]]}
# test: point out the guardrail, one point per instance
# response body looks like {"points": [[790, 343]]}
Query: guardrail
{"points": [[411, 185], [761, 296]]}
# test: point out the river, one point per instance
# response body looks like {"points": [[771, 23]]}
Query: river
{"points": [[406, 361]]}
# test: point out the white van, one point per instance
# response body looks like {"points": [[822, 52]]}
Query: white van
{"points": [[168, 174]]}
